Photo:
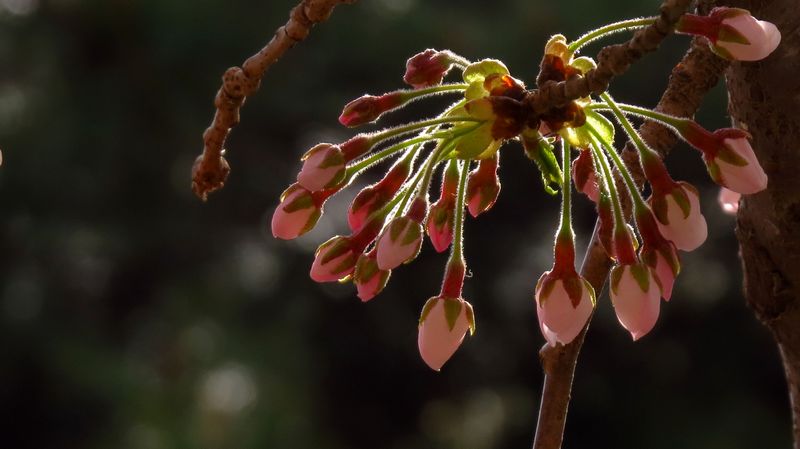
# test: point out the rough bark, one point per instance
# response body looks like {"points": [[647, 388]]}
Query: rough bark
{"points": [[765, 100]]}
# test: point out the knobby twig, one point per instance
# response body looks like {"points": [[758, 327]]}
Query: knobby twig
{"points": [[210, 170], [691, 79]]}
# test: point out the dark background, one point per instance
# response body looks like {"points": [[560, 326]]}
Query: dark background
{"points": [[134, 316]]}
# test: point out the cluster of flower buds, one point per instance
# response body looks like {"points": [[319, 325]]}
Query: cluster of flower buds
{"points": [[389, 219]]}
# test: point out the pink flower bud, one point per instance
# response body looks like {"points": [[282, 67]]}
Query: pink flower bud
{"points": [[368, 278], [563, 305], [729, 201], [584, 175], [334, 260], [442, 326], [483, 186], [733, 33], [372, 198], [440, 223], [737, 168], [743, 37], [369, 108], [297, 213], [323, 167], [427, 68], [399, 243], [635, 294], [680, 219]]}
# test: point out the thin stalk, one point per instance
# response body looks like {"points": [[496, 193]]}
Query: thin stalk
{"points": [[607, 30], [638, 201], [677, 123], [405, 129], [619, 218], [565, 229], [457, 253]]}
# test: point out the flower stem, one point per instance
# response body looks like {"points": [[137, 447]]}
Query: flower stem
{"points": [[607, 30], [565, 228], [619, 219], [677, 123], [456, 255], [638, 201], [414, 94], [405, 129]]}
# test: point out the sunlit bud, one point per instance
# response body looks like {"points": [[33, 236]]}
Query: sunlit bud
{"points": [[399, 243], [737, 167], [297, 213], [441, 216], [729, 201], [729, 158], [679, 217], [635, 294], [374, 197], [368, 278], [356, 146], [584, 175], [428, 68], [564, 304], [369, 107], [657, 252], [323, 167], [733, 33], [483, 186], [334, 260], [442, 326]]}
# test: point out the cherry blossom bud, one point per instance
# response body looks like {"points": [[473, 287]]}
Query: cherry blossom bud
{"points": [[564, 304], [323, 167], [584, 175], [368, 278], [297, 213], [369, 108], [679, 217], [442, 325], [737, 168], [657, 252], [334, 260], [441, 220], [374, 197], [399, 243], [743, 37], [729, 201], [733, 33], [635, 294], [427, 68], [483, 186]]}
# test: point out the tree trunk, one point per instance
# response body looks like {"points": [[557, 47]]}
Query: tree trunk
{"points": [[765, 100]]}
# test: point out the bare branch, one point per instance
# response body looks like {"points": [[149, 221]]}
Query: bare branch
{"points": [[210, 170], [698, 71]]}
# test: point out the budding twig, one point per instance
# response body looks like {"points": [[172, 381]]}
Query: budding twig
{"points": [[210, 170], [691, 79]]}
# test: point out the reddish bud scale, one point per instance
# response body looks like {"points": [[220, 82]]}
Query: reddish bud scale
{"points": [[418, 209], [648, 229], [483, 186], [356, 147], [707, 142], [564, 255], [372, 198], [657, 175], [369, 108], [606, 217], [624, 248], [706, 26], [427, 68], [453, 282]]}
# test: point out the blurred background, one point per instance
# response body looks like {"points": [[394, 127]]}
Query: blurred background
{"points": [[134, 316]]}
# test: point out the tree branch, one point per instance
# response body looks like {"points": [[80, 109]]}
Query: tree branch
{"points": [[698, 71], [764, 101], [210, 170]]}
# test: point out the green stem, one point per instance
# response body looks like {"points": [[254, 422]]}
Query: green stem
{"points": [[413, 94], [367, 162], [422, 174], [638, 201], [607, 30], [565, 229], [619, 218], [405, 129], [457, 255], [645, 152], [679, 123]]}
